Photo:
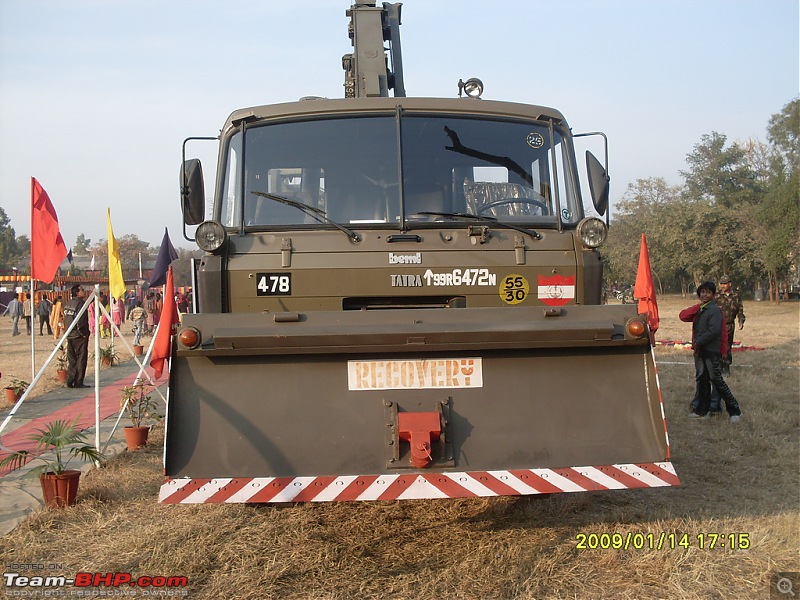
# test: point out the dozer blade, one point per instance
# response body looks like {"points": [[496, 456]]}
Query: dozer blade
{"points": [[413, 404]]}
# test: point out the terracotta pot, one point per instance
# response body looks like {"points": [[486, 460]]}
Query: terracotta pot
{"points": [[62, 375], [106, 362], [138, 350], [11, 397], [60, 489], [136, 437]]}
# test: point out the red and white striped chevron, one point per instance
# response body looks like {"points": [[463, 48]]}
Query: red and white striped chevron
{"points": [[418, 486]]}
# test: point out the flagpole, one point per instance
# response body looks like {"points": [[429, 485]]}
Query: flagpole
{"points": [[33, 329], [97, 366], [33, 346]]}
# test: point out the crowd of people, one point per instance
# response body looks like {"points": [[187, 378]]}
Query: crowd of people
{"points": [[58, 315]]}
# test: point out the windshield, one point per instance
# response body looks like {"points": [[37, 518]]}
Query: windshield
{"points": [[348, 169]]}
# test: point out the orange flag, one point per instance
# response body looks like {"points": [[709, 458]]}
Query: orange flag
{"points": [[47, 246], [643, 290], [169, 316]]}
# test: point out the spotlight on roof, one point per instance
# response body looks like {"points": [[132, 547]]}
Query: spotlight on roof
{"points": [[472, 87]]}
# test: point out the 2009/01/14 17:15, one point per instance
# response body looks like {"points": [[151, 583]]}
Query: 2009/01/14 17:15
{"points": [[663, 540]]}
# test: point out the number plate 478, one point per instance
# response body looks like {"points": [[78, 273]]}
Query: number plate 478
{"points": [[273, 284]]}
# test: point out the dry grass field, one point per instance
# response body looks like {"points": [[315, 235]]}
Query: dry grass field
{"points": [[740, 479]]}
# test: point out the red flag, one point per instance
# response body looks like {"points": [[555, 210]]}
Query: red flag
{"points": [[643, 290], [47, 246], [169, 316]]}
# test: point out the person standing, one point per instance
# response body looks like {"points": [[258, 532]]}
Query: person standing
{"points": [[715, 408], [57, 318], [43, 310], [731, 304], [132, 299], [105, 324], [78, 338], [27, 311], [183, 304], [158, 305], [150, 309], [139, 317], [117, 312], [707, 325], [14, 310]]}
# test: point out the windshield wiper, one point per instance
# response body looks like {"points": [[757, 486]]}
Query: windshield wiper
{"points": [[470, 217], [311, 211]]}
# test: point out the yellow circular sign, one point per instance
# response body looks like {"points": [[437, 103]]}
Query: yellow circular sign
{"points": [[514, 289]]}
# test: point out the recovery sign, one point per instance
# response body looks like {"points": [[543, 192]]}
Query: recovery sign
{"points": [[414, 374]]}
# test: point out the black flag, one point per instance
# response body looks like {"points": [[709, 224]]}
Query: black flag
{"points": [[166, 254]]}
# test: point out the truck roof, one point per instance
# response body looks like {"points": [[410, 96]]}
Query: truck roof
{"points": [[341, 106]]}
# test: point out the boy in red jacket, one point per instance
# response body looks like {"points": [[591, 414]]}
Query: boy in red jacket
{"points": [[708, 344]]}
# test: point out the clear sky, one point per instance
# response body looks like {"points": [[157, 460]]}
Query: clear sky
{"points": [[97, 96]]}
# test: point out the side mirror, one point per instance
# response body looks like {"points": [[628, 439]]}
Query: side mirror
{"points": [[598, 183], [192, 192]]}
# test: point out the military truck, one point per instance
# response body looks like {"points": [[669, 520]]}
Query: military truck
{"points": [[401, 298]]}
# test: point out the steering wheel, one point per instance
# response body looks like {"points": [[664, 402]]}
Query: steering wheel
{"points": [[504, 201]]}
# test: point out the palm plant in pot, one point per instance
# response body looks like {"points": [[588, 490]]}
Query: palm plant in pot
{"points": [[108, 356], [139, 406], [62, 363], [56, 445], [15, 389]]}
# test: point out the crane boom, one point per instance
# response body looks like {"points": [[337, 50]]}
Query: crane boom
{"points": [[367, 73]]}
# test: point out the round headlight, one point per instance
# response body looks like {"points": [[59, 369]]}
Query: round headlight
{"points": [[210, 236], [592, 231]]}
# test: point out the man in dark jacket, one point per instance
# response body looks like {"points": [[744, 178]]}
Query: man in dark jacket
{"points": [[43, 310], [707, 344], [78, 338]]}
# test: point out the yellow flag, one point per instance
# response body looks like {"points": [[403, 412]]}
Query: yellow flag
{"points": [[116, 284]]}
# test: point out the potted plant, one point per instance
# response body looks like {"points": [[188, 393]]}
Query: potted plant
{"points": [[108, 356], [15, 389], [139, 405], [64, 441], [62, 363]]}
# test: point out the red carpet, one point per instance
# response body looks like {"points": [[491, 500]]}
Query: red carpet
{"points": [[83, 409]]}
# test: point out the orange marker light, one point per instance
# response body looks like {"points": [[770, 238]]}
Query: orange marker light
{"points": [[636, 327], [189, 337]]}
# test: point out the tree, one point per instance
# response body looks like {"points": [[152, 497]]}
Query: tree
{"points": [[779, 213], [9, 253], [182, 266], [720, 175], [130, 246], [81, 245], [24, 247], [725, 179], [648, 206], [784, 136]]}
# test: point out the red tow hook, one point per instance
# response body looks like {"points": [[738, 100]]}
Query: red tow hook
{"points": [[419, 429]]}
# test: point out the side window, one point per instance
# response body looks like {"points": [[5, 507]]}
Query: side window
{"points": [[228, 210], [565, 181]]}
